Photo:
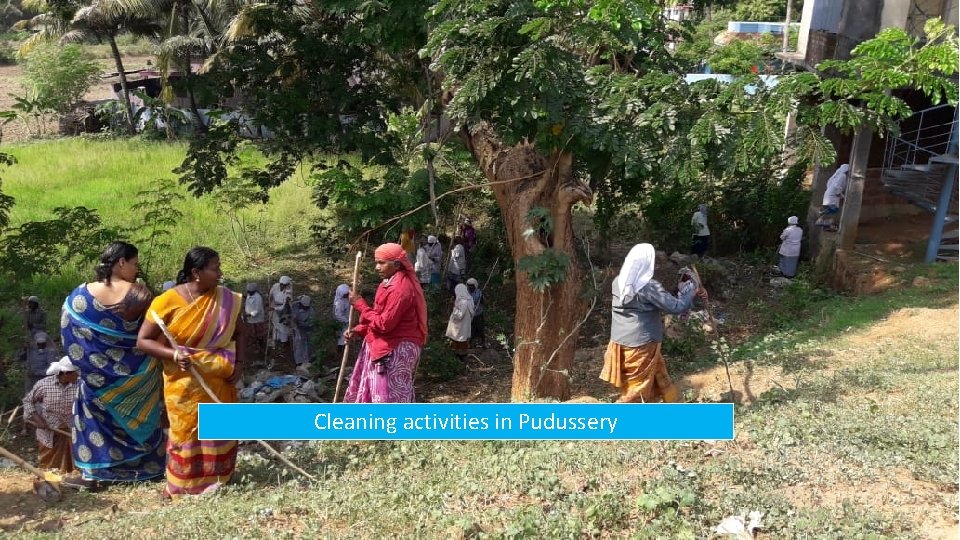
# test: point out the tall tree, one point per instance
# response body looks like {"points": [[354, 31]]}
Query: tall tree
{"points": [[558, 101], [92, 22], [193, 29], [544, 93], [73, 21]]}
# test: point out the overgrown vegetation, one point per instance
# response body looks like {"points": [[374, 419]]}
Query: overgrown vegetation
{"points": [[56, 79], [865, 446]]}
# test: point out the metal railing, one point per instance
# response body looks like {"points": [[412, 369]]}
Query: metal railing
{"points": [[922, 136]]}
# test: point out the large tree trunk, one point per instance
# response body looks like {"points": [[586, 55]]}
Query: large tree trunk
{"points": [[547, 324], [124, 85], [199, 126]]}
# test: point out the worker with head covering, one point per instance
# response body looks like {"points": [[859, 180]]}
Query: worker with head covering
{"points": [[341, 314], [457, 268], [255, 315], [461, 318], [303, 323], [469, 235], [833, 197], [633, 361], [394, 331], [435, 256], [422, 265], [34, 318], [789, 251], [701, 231], [281, 306], [477, 324], [37, 358], [49, 406]]}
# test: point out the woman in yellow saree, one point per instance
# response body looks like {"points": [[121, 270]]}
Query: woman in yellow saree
{"points": [[203, 318]]}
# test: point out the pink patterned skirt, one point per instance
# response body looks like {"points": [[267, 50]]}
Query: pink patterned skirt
{"points": [[390, 383]]}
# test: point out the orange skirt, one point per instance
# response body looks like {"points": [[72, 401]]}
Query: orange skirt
{"points": [[639, 372], [58, 457]]}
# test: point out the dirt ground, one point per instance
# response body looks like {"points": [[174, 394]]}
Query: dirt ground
{"points": [[11, 82]]}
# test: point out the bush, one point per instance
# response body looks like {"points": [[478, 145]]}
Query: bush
{"points": [[746, 213], [58, 77], [8, 56]]}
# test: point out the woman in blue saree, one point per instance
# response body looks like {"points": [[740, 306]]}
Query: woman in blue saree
{"points": [[117, 433]]}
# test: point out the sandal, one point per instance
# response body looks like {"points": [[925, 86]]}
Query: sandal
{"points": [[79, 483]]}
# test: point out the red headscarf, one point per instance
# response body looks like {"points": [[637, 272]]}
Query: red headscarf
{"points": [[395, 252]]}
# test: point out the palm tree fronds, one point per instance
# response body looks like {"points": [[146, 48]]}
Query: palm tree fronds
{"points": [[31, 43], [74, 36]]}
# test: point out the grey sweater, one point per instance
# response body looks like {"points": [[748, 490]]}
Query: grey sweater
{"points": [[639, 321]]}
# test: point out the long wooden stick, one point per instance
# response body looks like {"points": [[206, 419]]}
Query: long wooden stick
{"points": [[14, 413], [53, 429], [713, 321], [203, 384], [60, 431], [346, 343]]}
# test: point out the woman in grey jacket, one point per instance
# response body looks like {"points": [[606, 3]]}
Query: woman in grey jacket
{"points": [[633, 362]]}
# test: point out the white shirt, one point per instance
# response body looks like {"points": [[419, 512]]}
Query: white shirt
{"points": [[434, 254], [699, 222], [458, 260], [280, 297], [791, 237], [458, 326], [253, 308], [836, 185]]}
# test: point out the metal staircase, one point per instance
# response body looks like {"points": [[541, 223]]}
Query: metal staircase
{"points": [[920, 166]]}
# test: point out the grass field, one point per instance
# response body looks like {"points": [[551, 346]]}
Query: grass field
{"points": [[850, 431], [106, 175], [859, 441], [262, 243]]}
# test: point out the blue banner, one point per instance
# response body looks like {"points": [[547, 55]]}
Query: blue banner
{"points": [[466, 421]]}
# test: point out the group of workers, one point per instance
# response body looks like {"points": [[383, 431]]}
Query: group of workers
{"points": [[121, 404]]}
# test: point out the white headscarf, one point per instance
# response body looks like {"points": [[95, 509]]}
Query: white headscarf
{"points": [[341, 304], [793, 220], [636, 272], [431, 239], [463, 295], [64, 364]]}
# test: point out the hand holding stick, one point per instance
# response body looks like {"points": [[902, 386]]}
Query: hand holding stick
{"points": [[196, 375]]}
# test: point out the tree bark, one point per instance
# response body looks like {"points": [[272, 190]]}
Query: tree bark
{"points": [[198, 124], [547, 324], [850, 213], [124, 86]]}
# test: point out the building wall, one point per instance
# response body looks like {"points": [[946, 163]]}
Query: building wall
{"points": [[859, 21], [824, 14], [878, 202], [951, 8], [895, 13]]}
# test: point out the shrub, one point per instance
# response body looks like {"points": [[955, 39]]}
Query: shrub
{"points": [[8, 56], [58, 77]]}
